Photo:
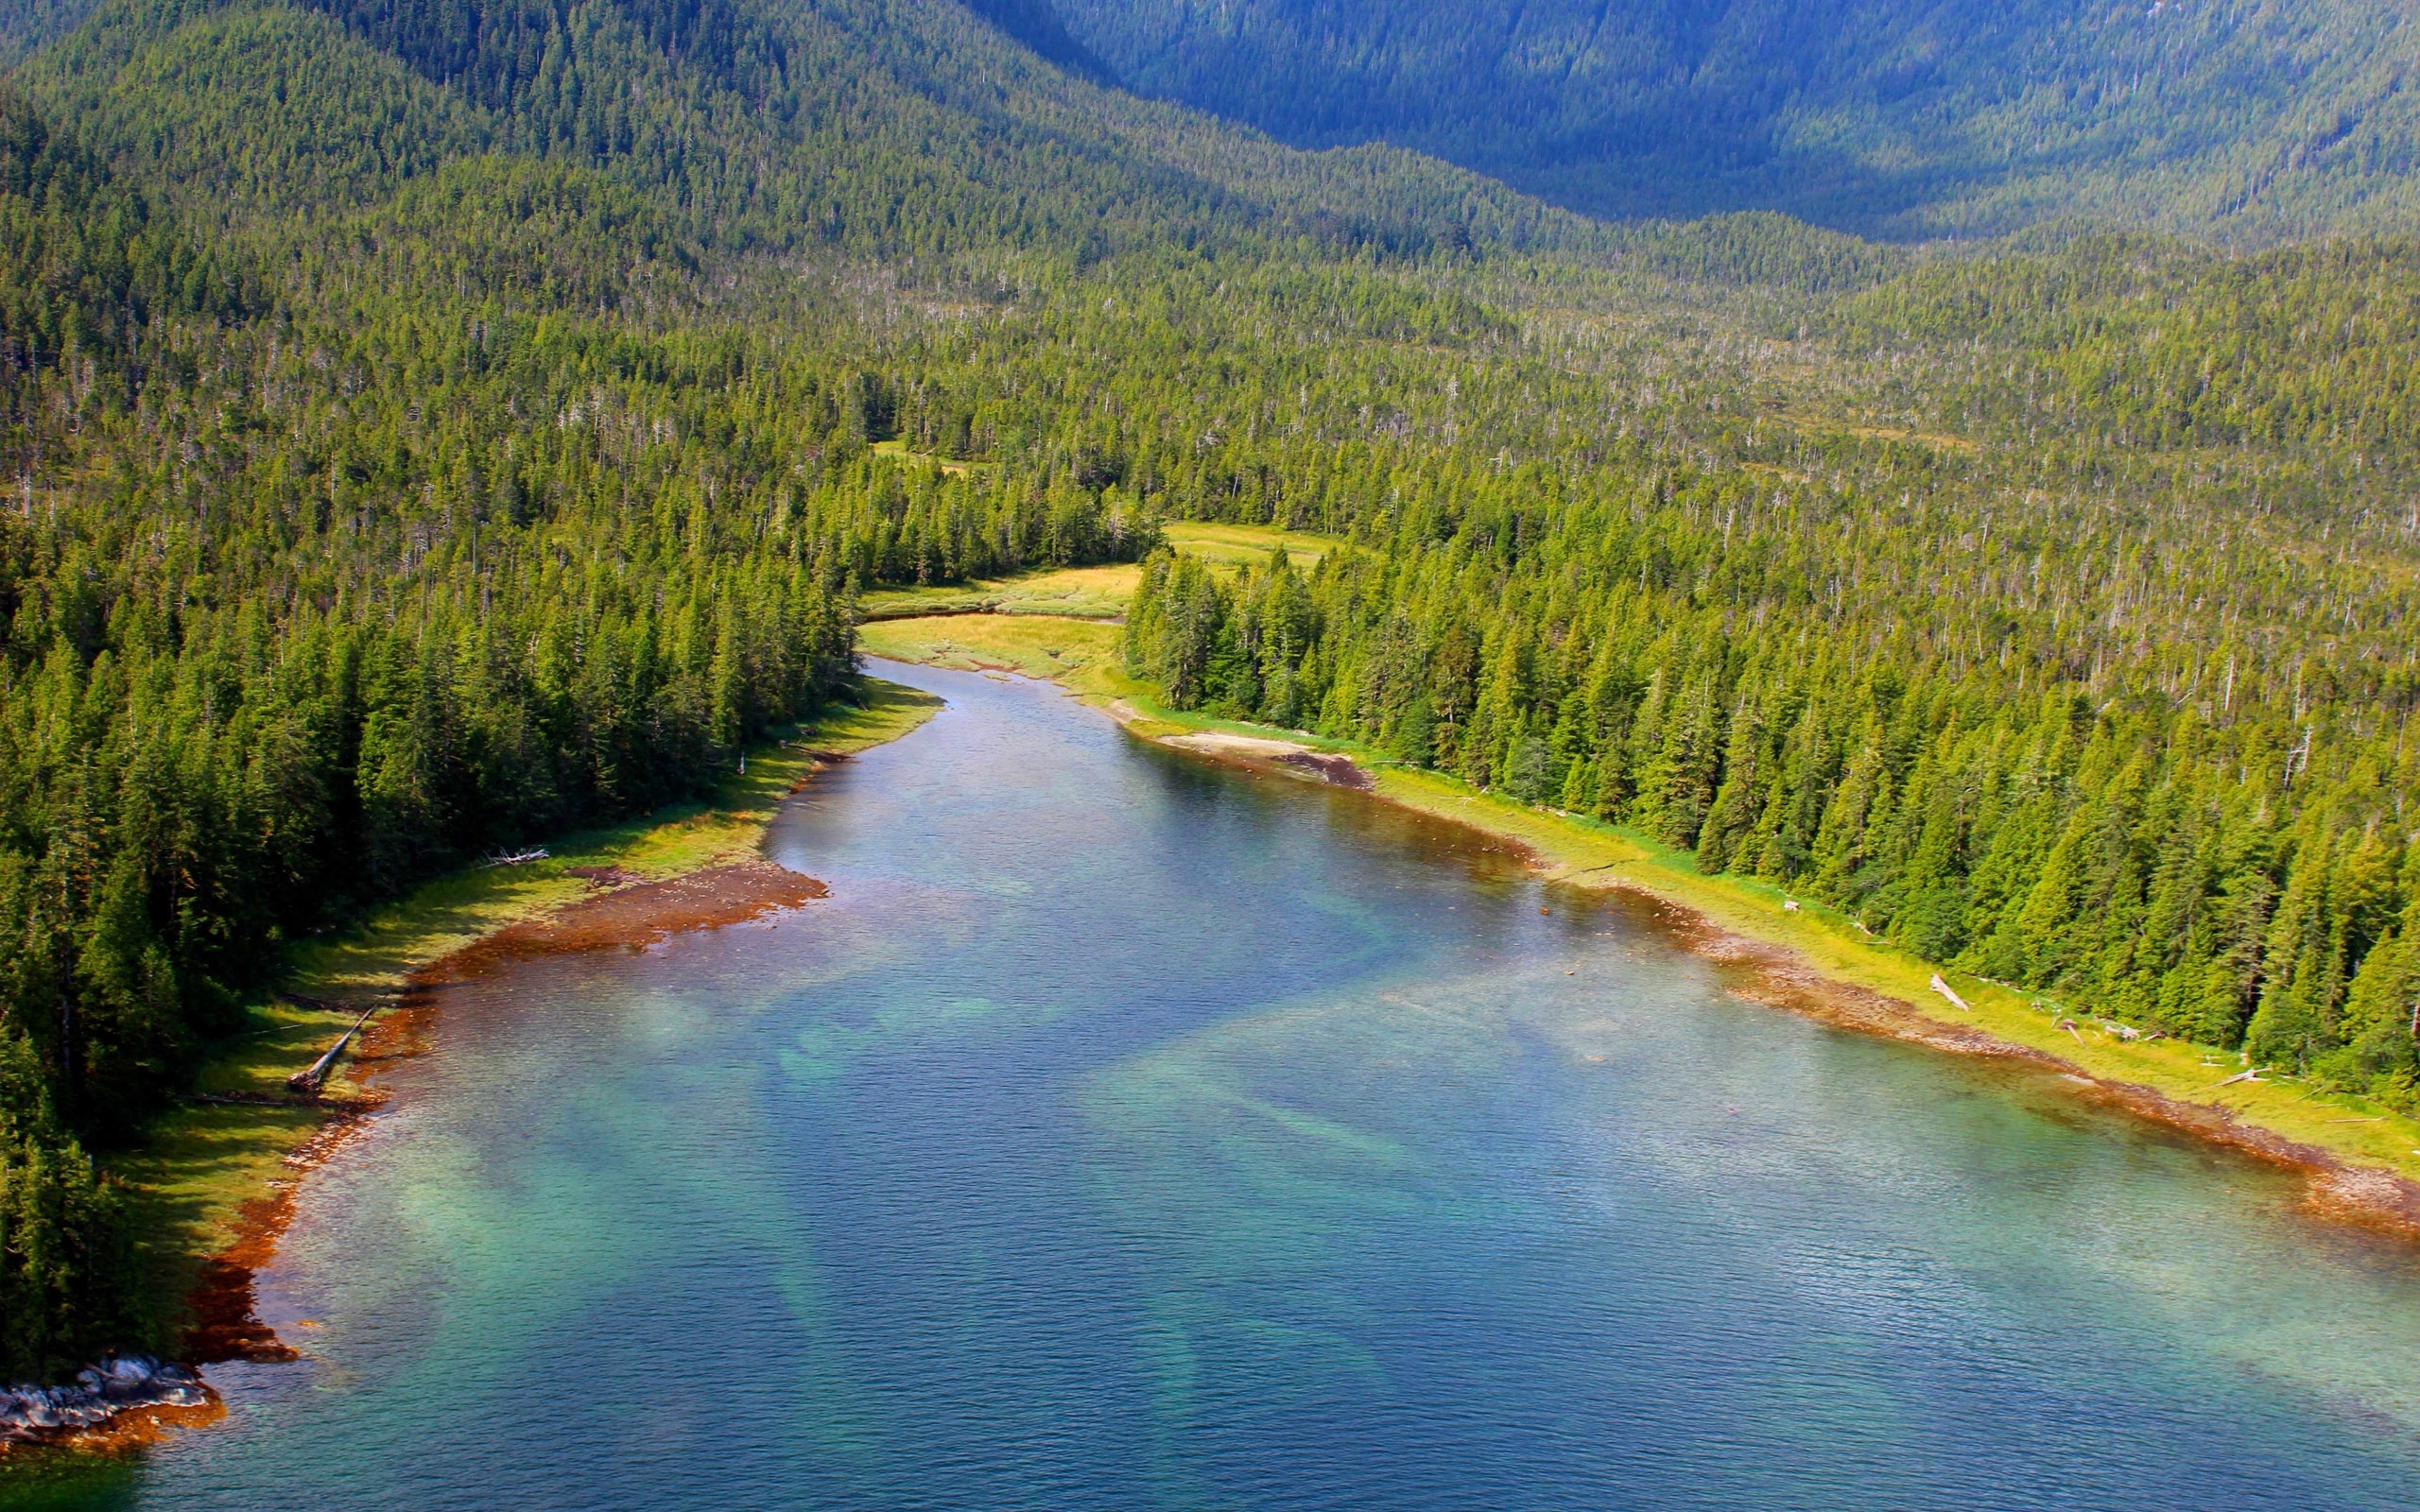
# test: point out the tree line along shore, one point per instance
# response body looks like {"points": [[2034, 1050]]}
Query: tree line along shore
{"points": [[421, 442], [2193, 1081]]}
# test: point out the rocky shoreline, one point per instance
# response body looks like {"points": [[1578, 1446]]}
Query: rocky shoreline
{"points": [[101, 1393]]}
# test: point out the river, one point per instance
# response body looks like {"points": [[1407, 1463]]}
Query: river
{"points": [[1129, 1131]]}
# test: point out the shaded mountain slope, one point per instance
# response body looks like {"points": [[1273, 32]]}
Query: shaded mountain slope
{"points": [[1906, 117]]}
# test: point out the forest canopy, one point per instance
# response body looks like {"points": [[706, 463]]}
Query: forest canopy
{"points": [[430, 428]]}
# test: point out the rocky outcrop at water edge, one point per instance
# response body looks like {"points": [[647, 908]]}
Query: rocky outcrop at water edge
{"points": [[120, 1383]]}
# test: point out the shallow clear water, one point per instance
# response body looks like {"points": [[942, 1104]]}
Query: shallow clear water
{"points": [[1129, 1132]]}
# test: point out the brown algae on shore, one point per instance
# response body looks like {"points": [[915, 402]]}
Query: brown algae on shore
{"points": [[1806, 960], [2362, 1159], [626, 912], [215, 1183]]}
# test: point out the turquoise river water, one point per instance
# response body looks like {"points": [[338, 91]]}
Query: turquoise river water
{"points": [[1128, 1132]]}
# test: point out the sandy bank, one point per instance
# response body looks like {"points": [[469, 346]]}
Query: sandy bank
{"points": [[622, 911]]}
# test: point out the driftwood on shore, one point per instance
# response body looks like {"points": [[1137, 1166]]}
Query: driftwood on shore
{"points": [[310, 1080], [516, 858]]}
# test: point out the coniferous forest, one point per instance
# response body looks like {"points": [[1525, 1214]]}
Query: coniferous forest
{"points": [[1897, 118], [433, 427]]}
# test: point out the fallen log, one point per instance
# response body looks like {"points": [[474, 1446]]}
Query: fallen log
{"points": [[310, 1080]]}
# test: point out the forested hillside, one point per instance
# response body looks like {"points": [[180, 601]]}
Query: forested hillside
{"points": [[1905, 117], [430, 427]]}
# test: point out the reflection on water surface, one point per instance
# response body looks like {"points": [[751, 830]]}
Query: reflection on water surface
{"points": [[1126, 1131]]}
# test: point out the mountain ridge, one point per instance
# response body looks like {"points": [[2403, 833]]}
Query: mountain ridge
{"points": [[1904, 118], [432, 427]]}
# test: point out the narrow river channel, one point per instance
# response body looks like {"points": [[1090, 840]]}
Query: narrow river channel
{"points": [[1127, 1131]]}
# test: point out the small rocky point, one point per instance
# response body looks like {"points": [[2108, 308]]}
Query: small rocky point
{"points": [[120, 1383]]}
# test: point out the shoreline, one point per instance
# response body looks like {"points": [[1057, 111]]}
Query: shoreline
{"points": [[2360, 1160], [2373, 1197], [693, 866], [617, 900], [698, 866], [1772, 975]]}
